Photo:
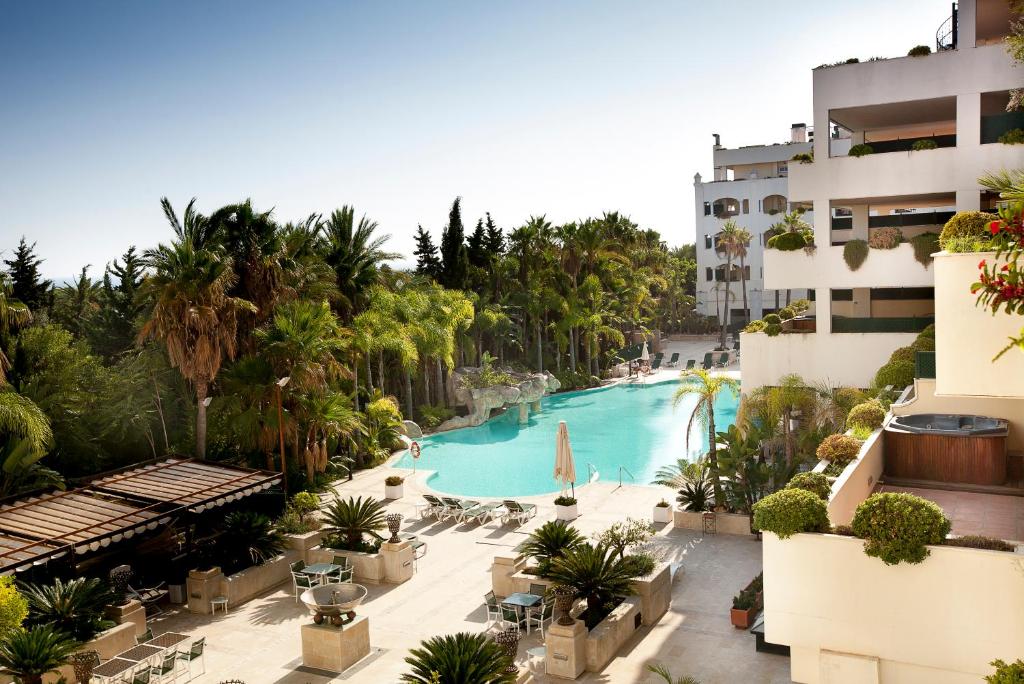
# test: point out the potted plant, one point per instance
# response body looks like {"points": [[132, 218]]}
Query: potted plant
{"points": [[662, 512], [565, 508], [744, 607], [393, 487]]}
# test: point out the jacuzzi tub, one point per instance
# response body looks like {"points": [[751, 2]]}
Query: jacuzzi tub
{"points": [[947, 448]]}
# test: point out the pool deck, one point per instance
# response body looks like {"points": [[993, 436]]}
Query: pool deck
{"points": [[259, 642]]}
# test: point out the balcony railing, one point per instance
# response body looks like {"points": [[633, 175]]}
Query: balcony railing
{"points": [[945, 37], [924, 218], [995, 125], [924, 365], [844, 324]]}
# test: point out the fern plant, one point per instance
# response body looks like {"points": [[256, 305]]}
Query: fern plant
{"points": [[460, 658]]}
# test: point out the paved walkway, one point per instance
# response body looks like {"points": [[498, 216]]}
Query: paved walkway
{"points": [[259, 642]]}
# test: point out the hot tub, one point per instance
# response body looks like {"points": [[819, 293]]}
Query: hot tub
{"points": [[947, 448]]}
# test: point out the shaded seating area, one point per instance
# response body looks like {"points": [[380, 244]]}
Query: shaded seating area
{"points": [[169, 657]]}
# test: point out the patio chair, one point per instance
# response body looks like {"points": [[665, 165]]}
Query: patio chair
{"points": [[167, 670], [673, 360], [298, 566], [482, 513], [539, 615], [517, 511], [538, 589], [493, 608], [511, 617], [690, 363], [708, 363], [149, 597], [142, 675], [723, 360], [457, 508], [192, 655], [145, 636], [435, 507], [655, 365], [301, 582], [659, 356]]}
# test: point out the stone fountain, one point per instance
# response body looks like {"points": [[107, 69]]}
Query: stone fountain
{"points": [[525, 395]]}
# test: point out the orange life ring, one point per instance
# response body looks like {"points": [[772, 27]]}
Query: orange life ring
{"points": [[414, 449]]}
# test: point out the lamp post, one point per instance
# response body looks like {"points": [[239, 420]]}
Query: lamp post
{"points": [[280, 432]]}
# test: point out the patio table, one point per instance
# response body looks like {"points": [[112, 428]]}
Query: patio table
{"points": [[112, 669], [522, 601], [167, 640], [140, 653], [320, 569]]}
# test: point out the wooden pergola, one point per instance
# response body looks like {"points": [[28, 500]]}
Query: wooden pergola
{"points": [[38, 528]]}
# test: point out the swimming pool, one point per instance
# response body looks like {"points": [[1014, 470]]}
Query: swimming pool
{"points": [[628, 425]]}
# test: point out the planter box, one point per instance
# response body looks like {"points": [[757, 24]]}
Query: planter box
{"points": [[567, 512], [303, 543], [132, 612], [605, 640], [394, 491], [742, 619], [367, 568], [521, 582], [662, 514], [503, 570], [108, 644], [726, 523], [251, 582], [655, 593]]}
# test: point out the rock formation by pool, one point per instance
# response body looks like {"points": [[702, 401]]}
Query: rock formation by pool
{"points": [[524, 392]]}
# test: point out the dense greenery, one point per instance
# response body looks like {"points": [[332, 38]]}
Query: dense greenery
{"points": [[461, 658], [815, 483], [599, 575], [791, 511], [869, 414], [925, 244], [855, 253], [75, 608], [348, 523], [707, 388], [31, 654], [550, 541], [1006, 673], [965, 230], [838, 449], [897, 526], [247, 538]]}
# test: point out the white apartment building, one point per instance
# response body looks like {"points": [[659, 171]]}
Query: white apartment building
{"points": [[955, 97], [750, 186]]}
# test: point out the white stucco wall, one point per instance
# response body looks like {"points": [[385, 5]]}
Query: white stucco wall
{"points": [[858, 481], [937, 622], [826, 268], [968, 336], [846, 359]]}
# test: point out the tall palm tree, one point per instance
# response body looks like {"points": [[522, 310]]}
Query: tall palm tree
{"points": [[775, 406], [354, 254], [732, 240], [191, 310], [706, 387]]}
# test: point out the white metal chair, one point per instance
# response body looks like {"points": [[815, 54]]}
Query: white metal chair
{"points": [[301, 582], [167, 670], [539, 615], [493, 609], [193, 654]]}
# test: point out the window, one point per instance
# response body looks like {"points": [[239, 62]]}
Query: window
{"points": [[842, 295], [707, 242], [773, 204], [708, 274], [707, 208], [746, 206], [726, 207], [783, 169]]}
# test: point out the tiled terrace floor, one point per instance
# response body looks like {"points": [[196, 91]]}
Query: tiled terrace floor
{"points": [[991, 515]]}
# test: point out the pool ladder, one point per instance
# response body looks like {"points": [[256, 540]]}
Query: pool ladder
{"points": [[592, 474], [626, 470]]}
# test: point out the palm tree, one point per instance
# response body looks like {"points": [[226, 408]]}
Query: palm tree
{"points": [[31, 654], [706, 387], [75, 607], [549, 541], [598, 574], [736, 241], [192, 312], [775, 406], [732, 240], [354, 254], [461, 658], [665, 674], [353, 519]]}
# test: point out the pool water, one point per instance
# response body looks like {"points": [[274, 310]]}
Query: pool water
{"points": [[631, 425]]}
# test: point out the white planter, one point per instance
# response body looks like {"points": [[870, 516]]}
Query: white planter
{"points": [[393, 491], [662, 514], [566, 512]]}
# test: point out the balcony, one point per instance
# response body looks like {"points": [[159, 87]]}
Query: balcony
{"points": [[826, 268], [905, 324]]}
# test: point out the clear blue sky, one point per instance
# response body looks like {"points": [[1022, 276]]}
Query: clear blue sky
{"points": [[567, 108]]}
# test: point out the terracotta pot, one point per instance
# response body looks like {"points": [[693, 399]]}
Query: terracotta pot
{"points": [[742, 619]]}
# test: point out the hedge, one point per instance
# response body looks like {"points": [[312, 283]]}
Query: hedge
{"points": [[903, 354], [899, 374], [861, 149], [815, 483], [755, 326], [855, 253], [898, 527], [839, 449], [772, 319], [787, 242], [786, 313], [885, 238], [869, 414], [966, 225], [923, 344], [791, 511], [924, 246]]}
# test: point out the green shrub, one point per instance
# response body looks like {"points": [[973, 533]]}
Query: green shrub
{"points": [[1006, 673], [800, 305], [924, 246], [815, 483], [791, 511], [869, 414], [855, 252], [843, 531], [564, 501], [745, 600], [772, 319], [861, 149], [973, 541], [897, 526], [923, 344], [803, 157], [787, 242], [965, 227], [755, 326], [924, 144], [929, 331], [432, 416], [773, 330], [919, 51], [393, 480], [885, 238], [903, 354], [860, 432], [840, 449], [848, 397], [786, 313], [1014, 136], [899, 374]]}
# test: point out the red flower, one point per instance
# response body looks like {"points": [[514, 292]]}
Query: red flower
{"points": [[981, 264], [1006, 267], [994, 227]]}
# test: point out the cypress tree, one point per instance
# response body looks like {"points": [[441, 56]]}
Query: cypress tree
{"points": [[120, 305], [27, 285], [427, 262], [495, 239], [476, 246], [454, 259]]}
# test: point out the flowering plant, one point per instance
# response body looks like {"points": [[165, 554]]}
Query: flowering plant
{"points": [[1001, 284]]}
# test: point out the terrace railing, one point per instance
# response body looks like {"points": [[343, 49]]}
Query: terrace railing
{"points": [[843, 324]]}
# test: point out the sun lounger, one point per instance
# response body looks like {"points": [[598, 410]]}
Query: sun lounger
{"points": [[708, 363], [457, 508], [435, 507], [673, 360], [483, 513], [690, 363], [655, 365], [517, 511]]}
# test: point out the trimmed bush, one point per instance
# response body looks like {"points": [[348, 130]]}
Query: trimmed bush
{"points": [[803, 157], [897, 527], [966, 227], [787, 242], [800, 305], [885, 238], [843, 531], [848, 397], [924, 246], [772, 319], [755, 326], [974, 541], [903, 354], [919, 51], [1014, 136], [929, 331], [786, 313], [855, 252], [861, 149], [1006, 673], [773, 329], [791, 511], [924, 144], [815, 483], [923, 344], [838, 449], [869, 414], [899, 374]]}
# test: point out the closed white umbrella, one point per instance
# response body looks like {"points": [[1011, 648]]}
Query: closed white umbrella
{"points": [[565, 466], [644, 354]]}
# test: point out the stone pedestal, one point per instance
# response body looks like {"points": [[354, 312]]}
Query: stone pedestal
{"points": [[132, 611], [524, 414], [502, 571], [202, 586], [535, 406], [335, 649], [398, 562], [566, 646]]}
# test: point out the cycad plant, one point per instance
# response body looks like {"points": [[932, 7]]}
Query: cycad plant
{"points": [[598, 575], [461, 658], [549, 541], [352, 519], [665, 674], [696, 494], [74, 607], [248, 538], [30, 654]]}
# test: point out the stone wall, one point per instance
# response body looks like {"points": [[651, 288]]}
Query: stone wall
{"points": [[726, 523], [608, 636]]}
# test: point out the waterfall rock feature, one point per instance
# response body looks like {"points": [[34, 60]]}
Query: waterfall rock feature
{"points": [[528, 389]]}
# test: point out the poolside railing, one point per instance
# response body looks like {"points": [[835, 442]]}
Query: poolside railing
{"points": [[626, 470], [592, 474]]}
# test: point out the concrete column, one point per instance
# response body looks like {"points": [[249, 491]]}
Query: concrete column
{"points": [[203, 585], [968, 119], [862, 302], [566, 655], [335, 649], [398, 562], [823, 310], [856, 137], [967, 25], [860, 221], [822, 222], [524, 414]]}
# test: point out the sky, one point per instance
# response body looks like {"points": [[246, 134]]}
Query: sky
{"points": [[566, 109]]}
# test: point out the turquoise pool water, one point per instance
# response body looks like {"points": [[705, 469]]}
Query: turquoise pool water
{"points": [[634, 426]]}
